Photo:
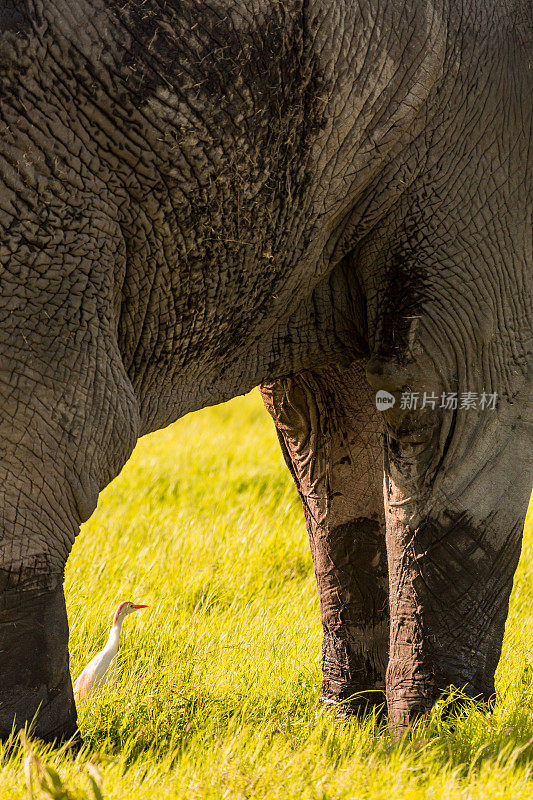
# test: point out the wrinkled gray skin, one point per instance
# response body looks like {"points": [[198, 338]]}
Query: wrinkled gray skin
{"points": [[197, 197]]}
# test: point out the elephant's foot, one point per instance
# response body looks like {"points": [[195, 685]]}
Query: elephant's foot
{"points": [[48, 714], [353, 678], [351, 701], [413, 709], [36, 689], [450, 599], [410, 700]]}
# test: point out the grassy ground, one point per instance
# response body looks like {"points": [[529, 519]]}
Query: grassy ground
{"points": [[219, 677]]}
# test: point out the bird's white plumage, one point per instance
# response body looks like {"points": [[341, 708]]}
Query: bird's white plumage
{"points": [[95, 674], [98, 671]]}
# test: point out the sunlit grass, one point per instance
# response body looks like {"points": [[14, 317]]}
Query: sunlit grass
{"points": [[217, 690]]}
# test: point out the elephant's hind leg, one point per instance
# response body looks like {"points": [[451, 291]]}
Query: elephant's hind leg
{"points": [[330, 434]]}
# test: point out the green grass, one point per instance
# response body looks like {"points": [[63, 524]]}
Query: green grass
{"points": [[219, 678]]}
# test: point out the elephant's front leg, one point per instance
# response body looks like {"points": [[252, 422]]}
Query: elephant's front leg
{"points": [[68, 422], [330, 436]]}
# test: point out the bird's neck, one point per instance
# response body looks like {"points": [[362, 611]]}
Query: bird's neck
{"points": [[114, 637]]}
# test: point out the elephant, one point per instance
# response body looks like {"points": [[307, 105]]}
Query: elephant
{"points": [[325, 198]]}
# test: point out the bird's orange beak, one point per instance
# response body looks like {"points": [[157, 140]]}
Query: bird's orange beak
{"points": [[136, 606]]}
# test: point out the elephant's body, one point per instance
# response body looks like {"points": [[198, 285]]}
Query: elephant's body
{"points": [[199, 197]]}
